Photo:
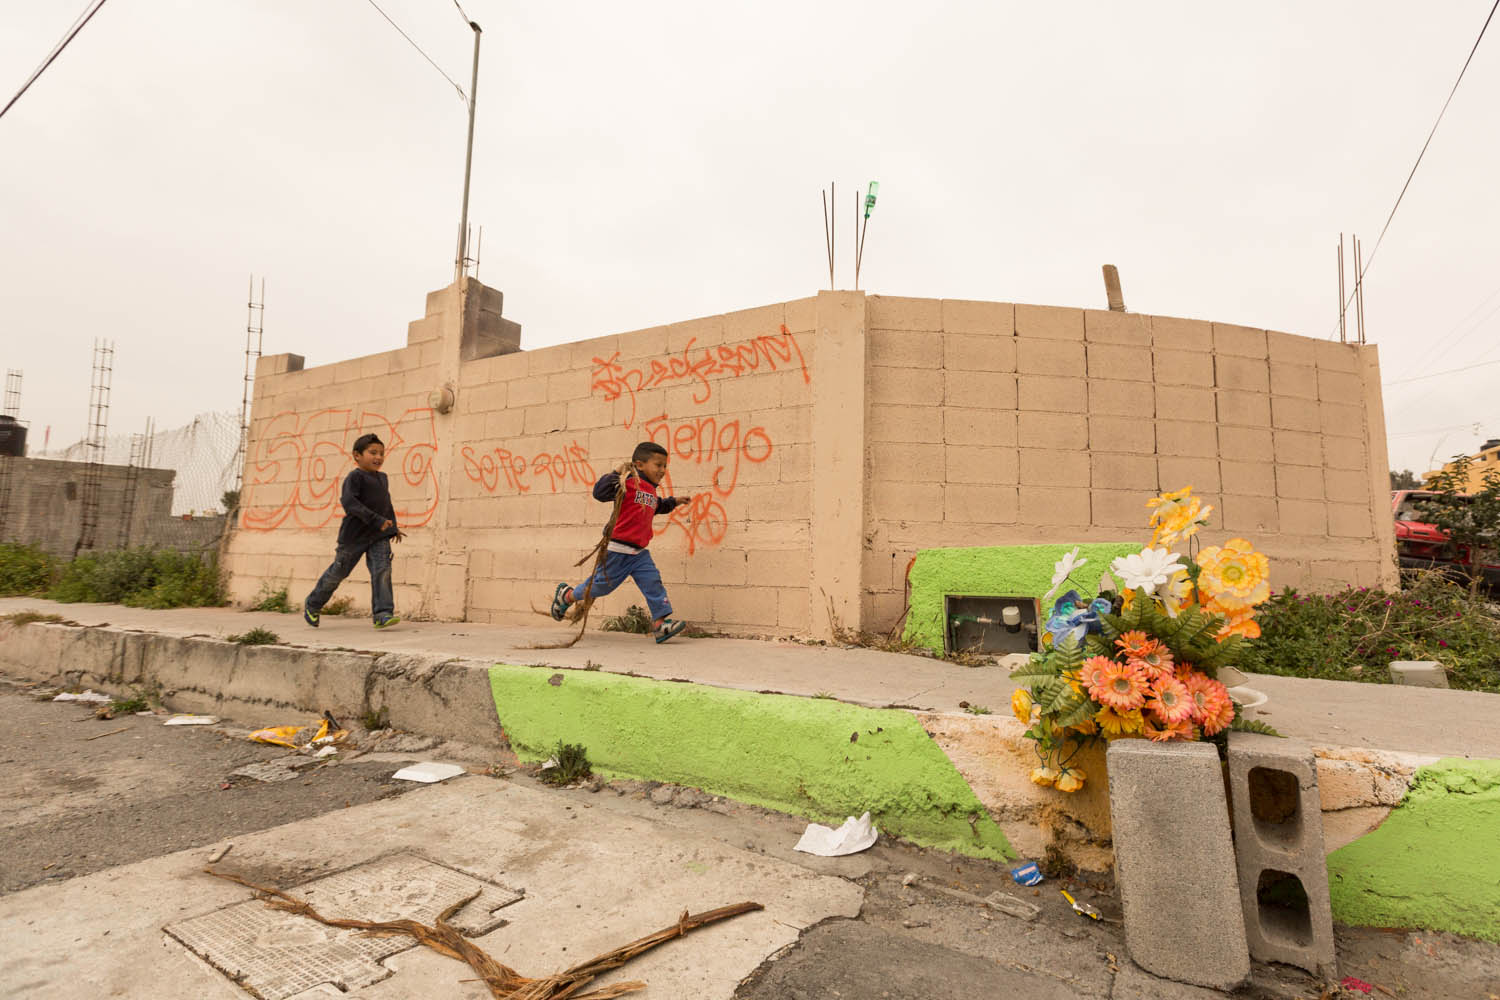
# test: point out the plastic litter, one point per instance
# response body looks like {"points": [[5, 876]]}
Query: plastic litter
{"points": [[1027, 874], [191, 720], [854, 836], [1351, 983], [428, 772], [1082, 909], [302, 738], [92, 697]]}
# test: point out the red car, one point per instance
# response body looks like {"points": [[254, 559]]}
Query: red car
{"points": [[1424, 546]]}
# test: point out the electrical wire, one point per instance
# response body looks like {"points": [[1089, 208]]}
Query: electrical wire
{"points": [[57, 49], [1450, 371], [1360, 277], [463, 14], [462, 96]]}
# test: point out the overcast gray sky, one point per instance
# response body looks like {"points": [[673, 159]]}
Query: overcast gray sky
{"points": [[643, 163]]}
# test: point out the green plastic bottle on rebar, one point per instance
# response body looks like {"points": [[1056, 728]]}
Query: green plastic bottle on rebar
{"points": [[870, 198]]}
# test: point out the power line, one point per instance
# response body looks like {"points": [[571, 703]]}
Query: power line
{"points": [[72, 33], [1450, 371], [1360, 277], [462, 96]]}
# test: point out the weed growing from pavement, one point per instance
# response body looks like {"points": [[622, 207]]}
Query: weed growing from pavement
{"points": [[338, 606], [572, 765], [135, 703], [824, 694], [1354, 634], [376, 720], [974, 709], [272, 599], [635, 619], [256, 637], [141, 578], [27, 617], [25, 570]]}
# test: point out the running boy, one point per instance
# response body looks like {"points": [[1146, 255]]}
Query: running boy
{"points": [[627, 556], [368, 528]]}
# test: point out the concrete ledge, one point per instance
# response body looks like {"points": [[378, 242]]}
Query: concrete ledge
{"points": [[262, 685]]}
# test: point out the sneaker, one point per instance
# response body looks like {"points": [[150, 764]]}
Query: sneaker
{"points": [[669, 627], [309, 616], [559, 603], [387, 621]]}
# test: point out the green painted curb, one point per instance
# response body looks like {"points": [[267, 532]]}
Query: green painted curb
{"points": [[996, 571], [1435, 861], [790, 754]]}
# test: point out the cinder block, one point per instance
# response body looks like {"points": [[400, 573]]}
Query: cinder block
{"points": [[997, 319], [1250, 514], [907, 463], [1244, 409], [1251, 479], [1333, 356], [1183, 367], [1202, 474], [1049, 467], [1174, 863], [901, 386], [1183, 402], [1290, 349], [1244, 374], [1049, 322], [1186, 439], [1342, 421], [979, 353], [1299, 448], [893, 312], [980, 390], [1108, 397], [1299, 482], [1035, 356], [1350, 520], [1278, 826], [1055, 395], [973, 503], [1058, 431], [992, 428], [1125, 435], [1120, 361], [1419, 673], [1340, 387], [1049, 505], [906, 348], [1246, 444], [1124, 472], [1170, 333], [1346, 486], [1119, 508], [1240, 341], [1105, 326], [1303, 517], [975, 464], [1300, 381], [912, 502], [906, 424]]}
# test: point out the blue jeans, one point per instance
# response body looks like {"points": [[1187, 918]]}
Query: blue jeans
{"points": [[617, 568], [377, 559]]}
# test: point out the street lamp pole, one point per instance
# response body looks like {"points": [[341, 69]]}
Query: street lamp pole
{"points": [[463, 222]]}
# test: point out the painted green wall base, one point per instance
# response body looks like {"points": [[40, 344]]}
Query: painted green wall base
{"points": [[777, 751], [996, 571], [1435, 862]]}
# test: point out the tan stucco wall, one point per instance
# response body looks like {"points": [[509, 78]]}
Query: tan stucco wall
{"points": [[830, 438]]}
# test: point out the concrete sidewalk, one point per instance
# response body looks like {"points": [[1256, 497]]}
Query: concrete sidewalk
{"points": [[1325, 713]]}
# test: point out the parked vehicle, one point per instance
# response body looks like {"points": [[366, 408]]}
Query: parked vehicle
{"points": [[1424, 546]]}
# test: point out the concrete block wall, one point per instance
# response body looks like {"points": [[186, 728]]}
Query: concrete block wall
{"points": [[930, 423], [997, 424]]}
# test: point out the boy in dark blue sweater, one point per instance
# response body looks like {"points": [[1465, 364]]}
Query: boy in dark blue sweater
{"points": [[368, 529]]}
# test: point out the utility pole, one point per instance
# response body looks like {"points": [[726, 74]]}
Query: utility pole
{"points": [[463, 221]]}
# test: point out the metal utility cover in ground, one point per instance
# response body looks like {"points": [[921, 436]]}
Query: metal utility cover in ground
{"points": [[274, 954]]}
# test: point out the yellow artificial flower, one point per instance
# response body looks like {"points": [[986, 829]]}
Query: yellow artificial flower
{"points": [[1087, 727], [1176, 516], [1070, 780], [1020, 703], [1116, 724], [1044, 776], [1237, 621], [1234, 576]]}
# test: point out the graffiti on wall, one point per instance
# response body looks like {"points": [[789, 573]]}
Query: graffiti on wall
{"points": [[550, 469], [771, 352], [298, 462], [721, 446]]}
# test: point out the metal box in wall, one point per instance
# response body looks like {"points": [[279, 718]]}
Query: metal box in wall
{"points": [[978, 624]]}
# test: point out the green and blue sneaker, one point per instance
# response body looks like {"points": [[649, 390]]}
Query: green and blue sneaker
{"points": [[387, 621], [310, 616]]}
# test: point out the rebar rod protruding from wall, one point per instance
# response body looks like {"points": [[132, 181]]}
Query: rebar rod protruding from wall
{"points": [[1343, 332], [1112, 288], [12, 393], [254, 338], [98, 429]]}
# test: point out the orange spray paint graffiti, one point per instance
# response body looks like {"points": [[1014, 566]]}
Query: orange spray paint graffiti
{"points": [[298, 464], [613, 380], [549, 468], [722, 445]]}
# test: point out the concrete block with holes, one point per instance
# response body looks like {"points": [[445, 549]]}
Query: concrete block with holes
{"points": [[1174, 862], [1278, 829]]}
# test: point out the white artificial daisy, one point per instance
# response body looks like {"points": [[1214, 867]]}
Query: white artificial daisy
{"points": [[1063, 569], [1149, 570]]}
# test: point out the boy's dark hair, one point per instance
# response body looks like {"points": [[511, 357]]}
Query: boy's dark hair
{"points": [[364, 441], [645, 450]]}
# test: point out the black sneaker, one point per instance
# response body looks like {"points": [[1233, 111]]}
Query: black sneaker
{"points": [[668, 628]]}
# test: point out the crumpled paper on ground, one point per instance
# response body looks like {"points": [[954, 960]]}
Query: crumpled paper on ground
{"points": [[854, 836], [286, 736]]}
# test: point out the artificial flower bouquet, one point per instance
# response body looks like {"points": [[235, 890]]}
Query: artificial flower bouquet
{"points": [[1142, 658]]}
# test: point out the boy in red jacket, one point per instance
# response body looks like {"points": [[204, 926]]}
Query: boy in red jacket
{"points": [[627, 557]]}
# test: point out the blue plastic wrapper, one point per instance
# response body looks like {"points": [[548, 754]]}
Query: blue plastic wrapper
{"points": [[1027, 874]]}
